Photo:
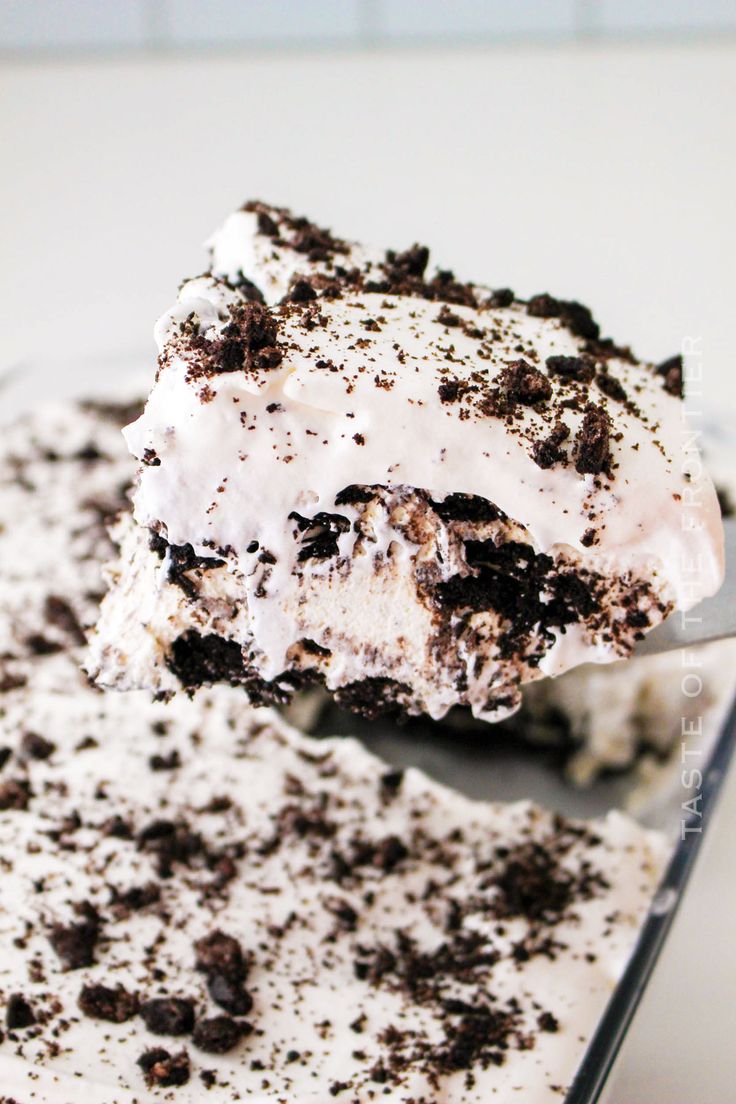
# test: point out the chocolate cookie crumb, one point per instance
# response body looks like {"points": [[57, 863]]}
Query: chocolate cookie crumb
{"points": [[501, 297], [14, 794], [218, 1035], [248, 342], [18, 1013], [391, 783], [222, 954], [100, 1002], [466, 507], [548, 451], [75, 944], [610, 386], [543, 305], [412, 261], [450, 390], [33, 746], [266, 225], [165, 762], [339, 1086], [446, 317], [389, 853], [229, 994], [372, 697], [138, 897], [168, 1015], [301, 291], [576, 317], [164, 1070], [521, 382], [58, 612], [592, 441], [578, 368], [196, 660], [354, 495], [671, 371]]}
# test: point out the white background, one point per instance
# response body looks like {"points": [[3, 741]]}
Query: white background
{"points": [[602, 172]]}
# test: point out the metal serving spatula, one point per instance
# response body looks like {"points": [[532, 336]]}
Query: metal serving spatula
{"points": [[712, 619]]}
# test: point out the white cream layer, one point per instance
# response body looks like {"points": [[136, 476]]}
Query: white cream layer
{"points": [[304, 978], [234, 467]]}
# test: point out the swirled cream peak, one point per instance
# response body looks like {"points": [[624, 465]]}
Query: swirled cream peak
{"points": [[302, 367]]}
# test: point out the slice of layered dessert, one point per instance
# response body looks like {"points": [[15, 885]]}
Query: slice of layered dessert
{"points": [[65, 472], [200, 903], [416, 491]]}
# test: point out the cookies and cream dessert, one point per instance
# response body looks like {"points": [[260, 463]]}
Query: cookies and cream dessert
{"points": [[65, 473], [197, 897], [418, 492], [201, 903]]}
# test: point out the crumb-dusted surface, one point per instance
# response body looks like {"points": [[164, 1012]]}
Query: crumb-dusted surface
{"points": [[201, 902], [419, 491], [64, 475], [292, 916]]}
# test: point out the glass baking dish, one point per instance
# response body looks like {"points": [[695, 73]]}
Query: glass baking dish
{"points": [[505, 769], [461, 755]]}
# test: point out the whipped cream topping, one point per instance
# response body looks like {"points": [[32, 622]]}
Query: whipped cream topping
{"points": [[369, 374], [268, 247], [384, 937], [317, 860], [64, 474]]}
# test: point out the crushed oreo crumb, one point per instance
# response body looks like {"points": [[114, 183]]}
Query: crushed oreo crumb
{"points": [[100, 1002], [593, 441], [218, 1035], [671, 371], [75, 943], [578, 368], [168, 1015], [164, 1070], [18, 1013]]}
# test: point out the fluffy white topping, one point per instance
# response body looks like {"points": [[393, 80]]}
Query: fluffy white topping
{"points": [[361, 405], [363, 377], [239, 251], [138, 830]]}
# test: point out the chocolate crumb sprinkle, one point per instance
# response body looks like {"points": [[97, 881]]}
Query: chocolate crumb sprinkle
{"points": [[521, 382], [218, 1035], [578, 368], [33, 746], [548, 451], [164, 1070], [168, 1015], [18, 1014], [15, 794], [611, 386], [75, 943], [100, 1002], [221, 954], [671, 371], [592, 441]]}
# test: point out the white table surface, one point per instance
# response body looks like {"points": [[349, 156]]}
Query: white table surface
{"points": [[605, 174]]}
